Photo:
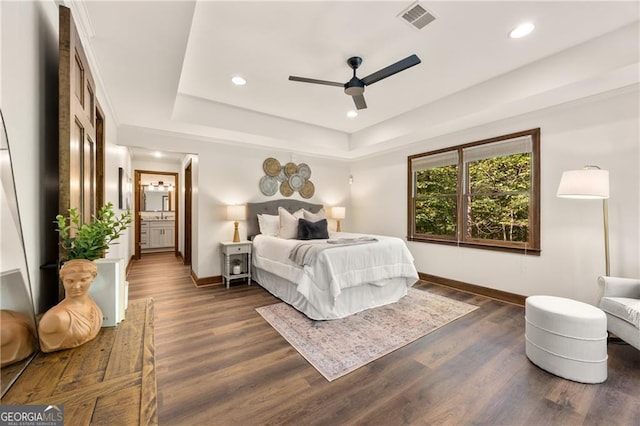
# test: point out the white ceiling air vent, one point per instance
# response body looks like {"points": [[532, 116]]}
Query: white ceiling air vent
{"points": [[417, 16]]}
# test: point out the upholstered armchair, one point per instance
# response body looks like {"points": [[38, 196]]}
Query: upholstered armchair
{"points": [[621, 303]]}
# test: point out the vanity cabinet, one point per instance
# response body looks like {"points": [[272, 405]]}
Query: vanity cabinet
{"points": [[161, 234]]}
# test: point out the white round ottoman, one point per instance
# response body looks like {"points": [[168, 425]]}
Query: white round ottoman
{"points": [[567, 338]]}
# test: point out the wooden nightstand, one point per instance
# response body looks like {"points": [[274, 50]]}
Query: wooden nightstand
{"points": [[240, 251]]}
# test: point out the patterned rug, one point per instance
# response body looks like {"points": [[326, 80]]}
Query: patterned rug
{"points": [[338, 347]]}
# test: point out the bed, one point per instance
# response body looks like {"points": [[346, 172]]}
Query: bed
{"points": [[333, 277]]}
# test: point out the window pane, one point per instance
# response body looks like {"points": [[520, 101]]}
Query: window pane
{"points": [[500, 174], [436, 216], [499, 217], [436, 201], [437, 181]]}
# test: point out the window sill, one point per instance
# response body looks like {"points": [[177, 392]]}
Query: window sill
{"points": [[509, 249]]}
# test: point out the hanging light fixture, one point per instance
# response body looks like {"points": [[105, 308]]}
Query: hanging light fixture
{"points": [[159, 186]]}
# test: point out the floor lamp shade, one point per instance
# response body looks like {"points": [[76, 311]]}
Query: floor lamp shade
{"points": [[590, 183], [236, 213]]}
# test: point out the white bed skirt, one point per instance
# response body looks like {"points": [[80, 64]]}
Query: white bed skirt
{"points": [[350, 301]]}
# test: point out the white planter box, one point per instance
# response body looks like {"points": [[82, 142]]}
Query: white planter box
{"points": [[109, 290]]}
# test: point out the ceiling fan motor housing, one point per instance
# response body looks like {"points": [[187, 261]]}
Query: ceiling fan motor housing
{"points": [[354, 87]]}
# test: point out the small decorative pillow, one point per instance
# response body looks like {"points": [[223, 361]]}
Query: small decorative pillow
{"points": [[289, 223], [269, 224], [312, 230], [314, 217]]}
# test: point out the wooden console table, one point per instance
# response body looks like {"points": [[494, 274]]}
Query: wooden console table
{"points": [[109, 380]]}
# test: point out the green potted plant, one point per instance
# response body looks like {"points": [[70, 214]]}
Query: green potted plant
{"points": [[83, 243], [90, 240]]}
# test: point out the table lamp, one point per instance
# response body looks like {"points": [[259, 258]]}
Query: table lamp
{"points": [[236, 213], [338, 213]]}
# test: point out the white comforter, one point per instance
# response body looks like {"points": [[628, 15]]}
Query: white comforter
{"points": [[338, 267]]}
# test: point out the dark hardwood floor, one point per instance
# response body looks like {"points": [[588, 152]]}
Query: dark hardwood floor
{"points": [[219, 363]]}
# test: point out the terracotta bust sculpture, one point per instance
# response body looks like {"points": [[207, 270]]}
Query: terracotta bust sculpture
{"points": [[77, 319], [17, 335]]}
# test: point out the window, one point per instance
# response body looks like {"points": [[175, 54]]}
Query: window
{"points": [[483, 194]]}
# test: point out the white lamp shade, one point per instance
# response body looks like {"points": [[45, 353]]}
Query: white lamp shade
{"points": [[236, 213], [587, 184], [338, 212]]}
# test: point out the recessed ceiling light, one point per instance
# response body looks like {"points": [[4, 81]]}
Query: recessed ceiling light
{"points": [[522, 30], [239, 81], [157, 154], [352, 114]]}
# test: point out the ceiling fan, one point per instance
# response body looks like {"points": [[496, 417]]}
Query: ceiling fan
{"points": [[355, 86]]}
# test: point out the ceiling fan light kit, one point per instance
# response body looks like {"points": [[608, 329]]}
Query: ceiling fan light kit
{"points": [[355, 86]]}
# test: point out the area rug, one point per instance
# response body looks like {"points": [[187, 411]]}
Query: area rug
{"points": [[338, 347]]}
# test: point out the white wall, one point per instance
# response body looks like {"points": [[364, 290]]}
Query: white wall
{"points": [[29, 99], [116, 157], [601, 130], [229, 174]]}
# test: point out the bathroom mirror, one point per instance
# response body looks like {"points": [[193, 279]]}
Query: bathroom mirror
{"points": [[18, 322], [155, 200]]}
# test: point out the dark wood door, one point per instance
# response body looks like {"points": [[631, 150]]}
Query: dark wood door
{"points": [[187, 214], [77, 148], [137, 207]]}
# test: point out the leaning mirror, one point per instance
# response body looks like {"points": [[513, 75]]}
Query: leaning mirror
{"points": [[17, 316]]}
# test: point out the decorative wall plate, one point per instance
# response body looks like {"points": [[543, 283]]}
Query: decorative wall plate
{"points": [[304, 170], [296, 182], [271, 166], [268, 185], [290, 169], [285, 189], [282, 176], [288, 178], [308, 190]]}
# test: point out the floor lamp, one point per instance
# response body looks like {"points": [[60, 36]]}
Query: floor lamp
{"points": [[590, 183]]}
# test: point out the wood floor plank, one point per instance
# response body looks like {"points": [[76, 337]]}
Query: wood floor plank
{"points": [[219, 363]]}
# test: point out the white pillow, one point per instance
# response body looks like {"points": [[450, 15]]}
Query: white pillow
{"points": [[269, 224], [314, 217], [289, 223]]}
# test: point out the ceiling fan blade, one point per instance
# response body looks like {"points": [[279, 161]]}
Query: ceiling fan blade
{"points": [[392, 69], [359, 101], [312, 80]]}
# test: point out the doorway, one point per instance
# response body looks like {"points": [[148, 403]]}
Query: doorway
{"points": [[156, 212]]}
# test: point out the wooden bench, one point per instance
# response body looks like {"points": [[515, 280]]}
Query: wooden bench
{"points": [[109, 380]]}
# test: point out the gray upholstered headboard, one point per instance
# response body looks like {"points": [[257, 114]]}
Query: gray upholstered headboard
{"points": [[271, 207]]}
